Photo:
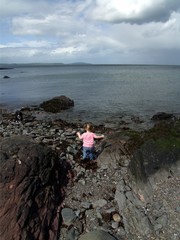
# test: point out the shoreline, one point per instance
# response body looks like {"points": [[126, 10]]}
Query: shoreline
{"points": [[136, 122]]}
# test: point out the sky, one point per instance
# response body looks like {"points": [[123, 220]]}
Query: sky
{"points": [[91, 31]]}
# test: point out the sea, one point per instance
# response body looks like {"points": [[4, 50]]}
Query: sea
{"points": [[100, 92]]}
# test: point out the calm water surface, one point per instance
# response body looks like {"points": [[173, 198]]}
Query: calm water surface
{"points": [[100, 92]]}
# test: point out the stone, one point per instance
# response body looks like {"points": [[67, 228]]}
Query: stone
{"points": [[68, 216], [115, 225], [86, 205], [116, 217], [97, 235], [72, 234], [120, 198], [99, 203]]}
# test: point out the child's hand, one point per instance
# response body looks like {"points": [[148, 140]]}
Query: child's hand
{"points": [[78, 134]]}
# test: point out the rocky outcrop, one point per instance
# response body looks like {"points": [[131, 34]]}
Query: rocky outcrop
{"points": [[155, 163], [32, 182], [57, 104], [130, 192], [162, 116]]}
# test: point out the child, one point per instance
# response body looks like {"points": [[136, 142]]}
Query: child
{"points": [[88, 141]]}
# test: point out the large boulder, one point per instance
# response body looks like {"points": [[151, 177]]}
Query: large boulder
{"points": [[32, 180], [57, 104]]}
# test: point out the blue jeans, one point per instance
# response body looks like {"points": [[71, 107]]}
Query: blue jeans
{"points": [[88, 153]]}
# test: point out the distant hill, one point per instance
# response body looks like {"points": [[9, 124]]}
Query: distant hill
{"points": [[14, 65], [79, 63]]}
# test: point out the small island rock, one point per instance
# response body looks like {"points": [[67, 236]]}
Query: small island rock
{"points": [[57, 104]]}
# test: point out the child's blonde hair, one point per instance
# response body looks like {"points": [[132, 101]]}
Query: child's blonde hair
{"points": [[88, 127]]}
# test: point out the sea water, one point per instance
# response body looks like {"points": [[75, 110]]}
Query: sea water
{"points": [[100, 92]]}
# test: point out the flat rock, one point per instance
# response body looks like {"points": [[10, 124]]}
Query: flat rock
{"points": [[97, 235]]}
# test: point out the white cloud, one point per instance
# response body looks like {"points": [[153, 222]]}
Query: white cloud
{"points": [[27, 44], [66, 50]]}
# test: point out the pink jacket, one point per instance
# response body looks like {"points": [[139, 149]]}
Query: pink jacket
{"points": [[88, 139]]}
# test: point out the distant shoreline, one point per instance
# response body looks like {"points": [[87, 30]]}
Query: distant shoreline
{"points": [[13, 65]]}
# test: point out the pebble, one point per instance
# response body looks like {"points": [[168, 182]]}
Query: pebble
{"points": [[116, 217], [115, 225]]}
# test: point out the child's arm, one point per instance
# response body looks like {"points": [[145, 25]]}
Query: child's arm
{"points": [[98, 137]]}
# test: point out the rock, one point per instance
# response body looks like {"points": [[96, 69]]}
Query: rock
{"points": [[6, 76], [57, 104], [162, 116], [97, 235], [158, 157], [72, 234], [115, 225], [99, 203], [86, 205], [31, 180], [116, 217], [152, 163], [68, 216], [144, 213]]}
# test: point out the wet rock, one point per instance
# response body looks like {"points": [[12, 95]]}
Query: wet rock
{"points": [[57, 104], [162, 116], [6, 76]]}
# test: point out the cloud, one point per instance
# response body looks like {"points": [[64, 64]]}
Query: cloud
{"points": [[26, 44], [134, 11], [89, 30]]}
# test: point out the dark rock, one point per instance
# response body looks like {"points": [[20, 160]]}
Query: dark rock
{"points": [[31, 188], [162, 116], [57, 104], [160, 152], [6, 76], [18, 116]]}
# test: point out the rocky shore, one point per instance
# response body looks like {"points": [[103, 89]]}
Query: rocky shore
{"points": [[130, 192]]}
